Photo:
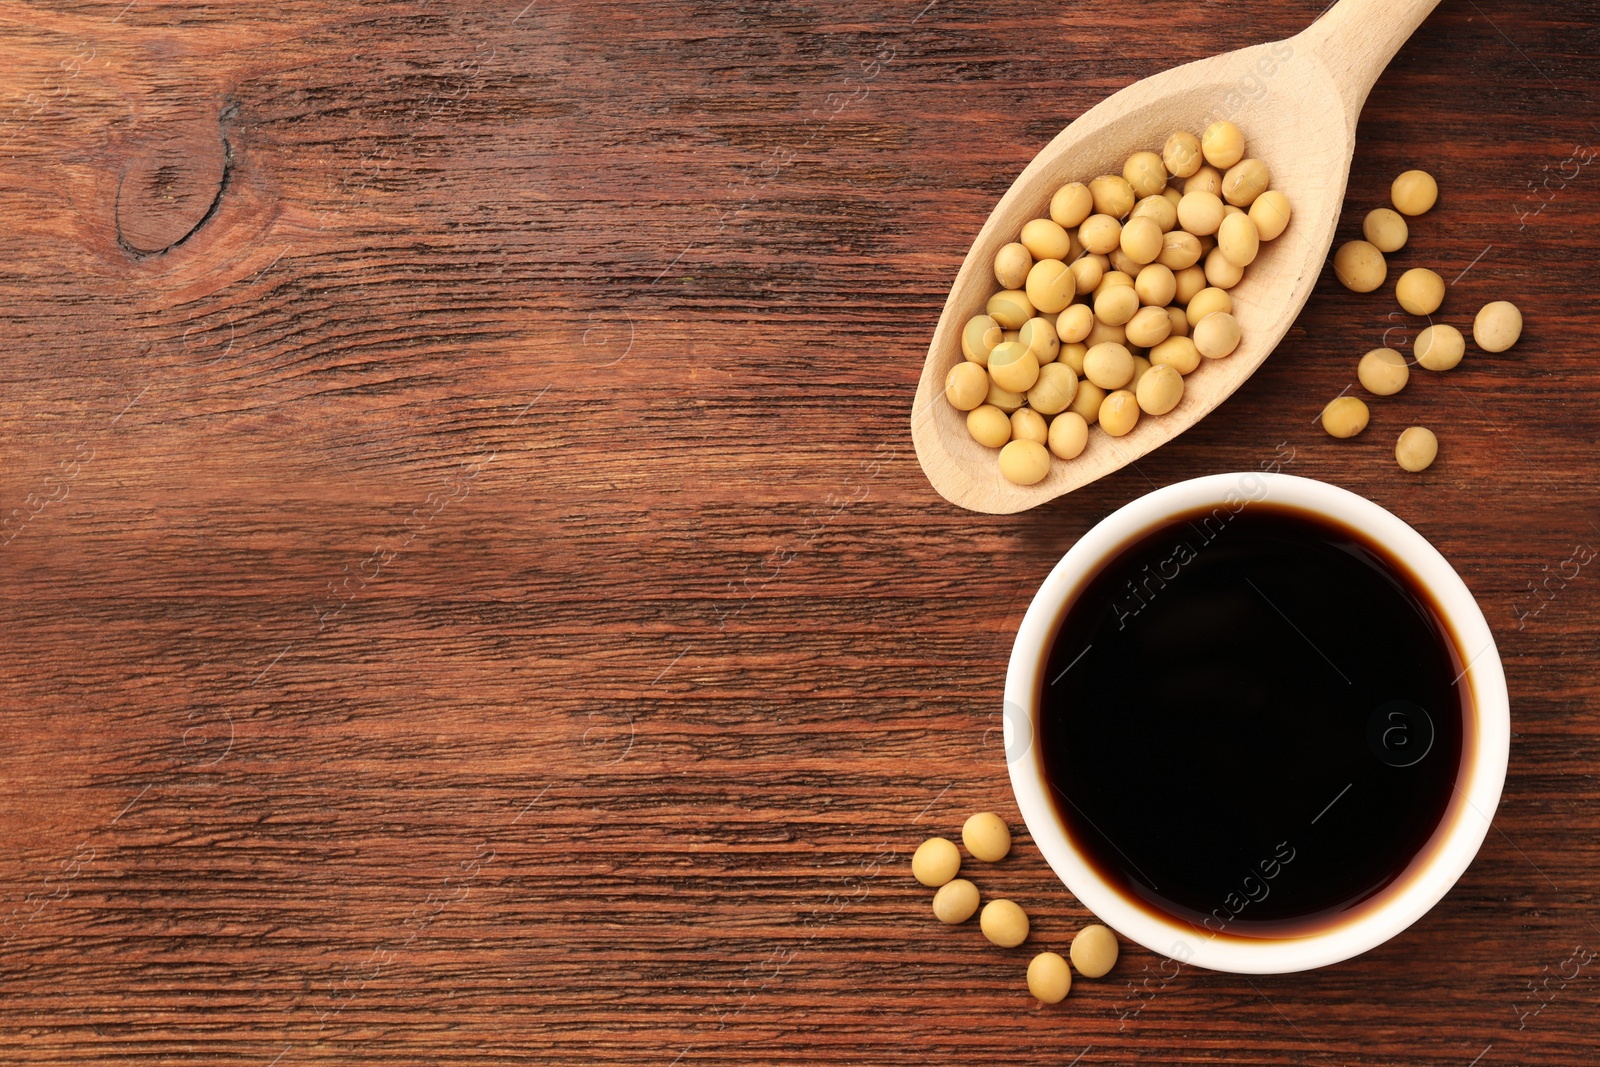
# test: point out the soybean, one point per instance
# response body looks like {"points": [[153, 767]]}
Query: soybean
{"points": [[956, 901], [1050, 286], [1010, 308], [1215, 336], [1414, 192], [1420, 291], [1179, 320], [1141, 239], [1208, 301], [1075, 322], [1200, 212], [1004, 923], [1383, 372], [1094, 951], [1140, 367], [1360, 266], [978, 338], [1179, 249], [1385, 229], [1439, 347], [1155, 285], [1179, 353], [966, 386], [1024, 462], [1207, 179], [1086, 273], [1045, 240], [1221, 271], [1013, 368], [1222, 144], [1069, 433], [1108, 365], [1149, 327], [1113, 195], [1113, 277], [989, 426], [1146, 173], [1416, 449], [1071, 205], [1244, 181], [1270, 213], [1159, 389], [1497, 326], [986, 837], [1103, 333], [1054, 390], [935, 861], [1049, 978], [1004, 399], [1114, 306], [1100, 233], [1238, 240], [1190, 279], [1085, 403], [1345, 416], [1123, 262], [1011, 265], [1182, 154], [1071, 355], [1158, 209], [1038, 335], [1119, 412], [1028, 425]]}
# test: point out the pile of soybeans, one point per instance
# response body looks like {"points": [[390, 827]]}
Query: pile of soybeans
{"points": [[1105, 306]]}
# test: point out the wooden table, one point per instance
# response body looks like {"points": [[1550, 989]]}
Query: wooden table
{"points": [[470, 596]]}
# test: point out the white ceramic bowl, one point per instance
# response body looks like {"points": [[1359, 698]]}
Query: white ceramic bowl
{"points": [[1438, 866]]}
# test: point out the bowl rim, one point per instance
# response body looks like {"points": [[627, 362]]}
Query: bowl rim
{"points": [[1484, 775]]}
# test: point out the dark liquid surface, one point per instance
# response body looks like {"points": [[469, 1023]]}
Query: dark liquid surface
{"points": [[1251, 720]]}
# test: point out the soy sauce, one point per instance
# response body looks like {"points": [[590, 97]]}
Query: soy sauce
{"points": [[1252, 719]]}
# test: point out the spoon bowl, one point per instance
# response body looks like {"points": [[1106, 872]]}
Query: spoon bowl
{"points": [[1296, 101]]}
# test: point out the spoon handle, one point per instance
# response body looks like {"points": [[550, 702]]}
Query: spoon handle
{"points": [[1356, 40]]}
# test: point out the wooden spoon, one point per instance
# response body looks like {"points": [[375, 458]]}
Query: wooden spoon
{"points": [[1297, 102]]}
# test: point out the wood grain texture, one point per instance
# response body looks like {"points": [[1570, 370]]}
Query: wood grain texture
{"points": [[470, 597]]}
